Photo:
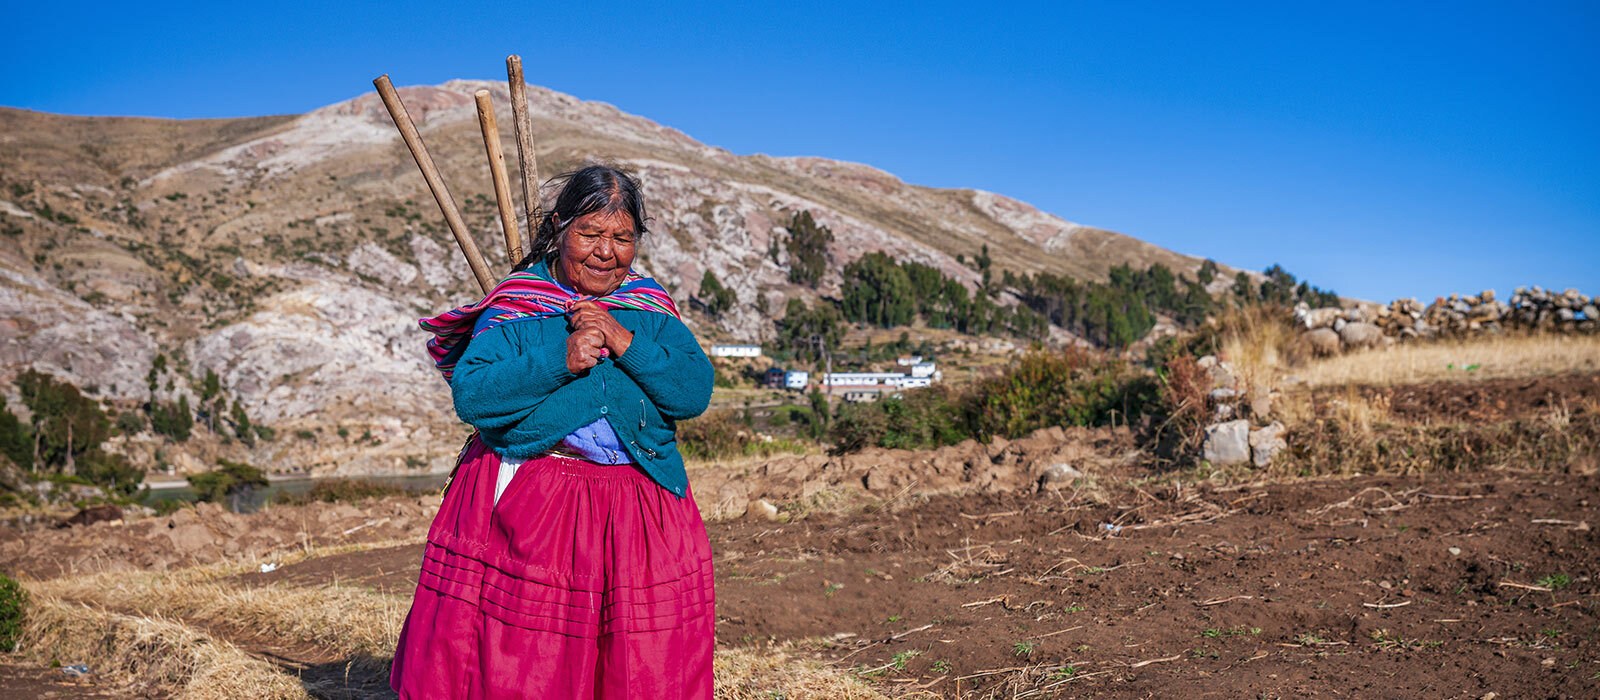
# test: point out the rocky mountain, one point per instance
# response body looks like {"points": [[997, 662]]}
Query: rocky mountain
{"points": [[292, 255]]}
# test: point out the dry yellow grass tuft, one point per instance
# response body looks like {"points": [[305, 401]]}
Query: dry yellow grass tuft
{"points": [[345, 621], [353, 623], [151, 656], [1256, 341], [748, 673], [1484, 357]]}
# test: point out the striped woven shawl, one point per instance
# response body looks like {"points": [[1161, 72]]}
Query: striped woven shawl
{"points": [[526, 295]]}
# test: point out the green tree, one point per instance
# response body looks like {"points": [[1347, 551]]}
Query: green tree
{"points": [[211, 402], [878, 291], [16, 440], [1208, 271], [1243, 289], [65, 422], [157, 366], [808, 250], [174, 420], [241, 424], [714, 296], [810, 332]]}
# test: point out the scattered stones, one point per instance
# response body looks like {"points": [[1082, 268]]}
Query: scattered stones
{"points": [[1227, 443]]}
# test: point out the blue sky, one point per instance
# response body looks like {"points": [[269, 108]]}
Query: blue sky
{"points": [[1383, 149]]}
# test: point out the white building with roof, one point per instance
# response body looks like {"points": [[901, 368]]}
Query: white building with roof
{"points": [[736, 351]]}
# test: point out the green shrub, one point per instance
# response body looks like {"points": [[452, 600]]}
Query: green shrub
{"points": [[724, 434], [1067, 388], [713, 435], [130, 423], [916, 420], [172, 420], [1070, 388], [110, 471], [13, 604], [16, 440], [716, 297], [230, 480], [341, 491]]}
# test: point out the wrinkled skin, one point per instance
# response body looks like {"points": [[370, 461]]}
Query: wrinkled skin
{"points": [[594, 257]]}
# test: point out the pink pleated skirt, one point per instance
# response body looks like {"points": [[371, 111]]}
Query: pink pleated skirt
{"points": [[584, 581]]}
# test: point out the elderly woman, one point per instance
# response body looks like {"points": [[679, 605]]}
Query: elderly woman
{"points": [[568, 558]]}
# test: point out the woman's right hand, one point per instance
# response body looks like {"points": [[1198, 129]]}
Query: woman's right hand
{"points": [[584, 348]]}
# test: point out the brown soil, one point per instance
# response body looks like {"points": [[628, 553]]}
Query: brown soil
{"points": [[961, 578], [1490, 400], [1330, 588], [20, 678], [204, 534]]}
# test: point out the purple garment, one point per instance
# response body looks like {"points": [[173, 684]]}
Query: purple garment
{"points": [[597, 442]]}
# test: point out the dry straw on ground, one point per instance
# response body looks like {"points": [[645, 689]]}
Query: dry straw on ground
{"points": [[346, 621], [152, 656], [152, 644], [1482, 357], [1263, 345]]}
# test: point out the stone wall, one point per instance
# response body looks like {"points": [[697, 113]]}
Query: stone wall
{"points": [[1331, 330]]}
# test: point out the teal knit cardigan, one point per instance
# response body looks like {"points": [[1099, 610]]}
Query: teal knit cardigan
{"points": [[512, 384]]}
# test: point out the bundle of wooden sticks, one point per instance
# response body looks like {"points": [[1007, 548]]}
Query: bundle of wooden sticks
{"points": [[497, 169]]}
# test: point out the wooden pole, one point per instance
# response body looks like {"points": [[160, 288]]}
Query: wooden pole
{"points": [[497, 171], [522, 120], [430, 173]]}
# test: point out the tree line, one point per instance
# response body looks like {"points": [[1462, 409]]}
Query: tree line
{"points": [[879, 290]]}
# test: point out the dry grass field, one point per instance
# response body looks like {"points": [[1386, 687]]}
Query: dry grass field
{"points": [[1486, 357]]}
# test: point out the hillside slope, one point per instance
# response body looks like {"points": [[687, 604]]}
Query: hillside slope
{"points": [[291, 255]]}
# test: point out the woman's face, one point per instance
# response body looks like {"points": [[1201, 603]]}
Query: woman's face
{"points": [[596, 252]]}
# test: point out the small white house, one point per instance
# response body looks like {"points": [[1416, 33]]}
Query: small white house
{"points": [[923, 369], [863, 379], [909, 360], [736, 351], [796, 380]]}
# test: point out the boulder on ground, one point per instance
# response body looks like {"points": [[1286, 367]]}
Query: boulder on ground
{"points": [[1266, 443], [1227, 443]]}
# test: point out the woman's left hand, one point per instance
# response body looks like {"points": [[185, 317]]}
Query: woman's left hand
{"points": [[588, 314]]}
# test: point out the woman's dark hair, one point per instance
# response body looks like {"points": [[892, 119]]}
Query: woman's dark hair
{"points": [[594, 188]]}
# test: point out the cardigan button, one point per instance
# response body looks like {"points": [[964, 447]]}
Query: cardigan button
{"points": [[604, 410]]}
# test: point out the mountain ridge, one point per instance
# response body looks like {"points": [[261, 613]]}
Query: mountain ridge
{"points": [[240, 247]]}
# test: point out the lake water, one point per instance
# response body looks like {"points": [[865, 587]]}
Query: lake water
{"points": [[278, 488]]}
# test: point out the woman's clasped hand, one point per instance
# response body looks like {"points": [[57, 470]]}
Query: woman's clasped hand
{"points": [[595, 334]]}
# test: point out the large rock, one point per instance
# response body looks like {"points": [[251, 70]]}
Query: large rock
{"points": [[1227, 443], [1360, 335], [1266, 443]]}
